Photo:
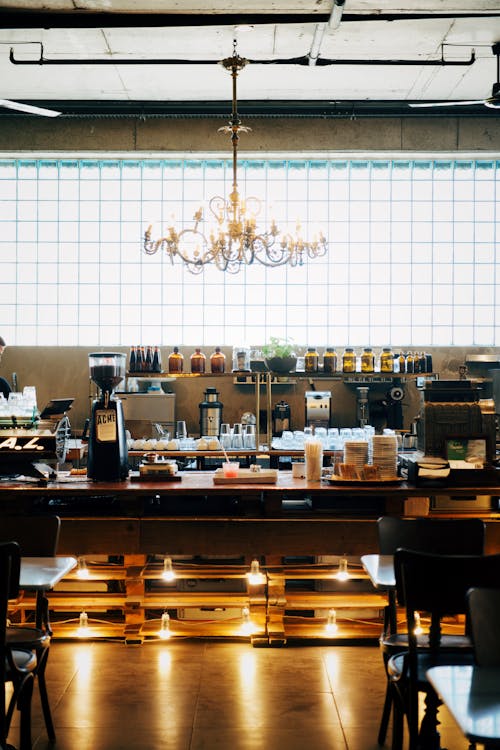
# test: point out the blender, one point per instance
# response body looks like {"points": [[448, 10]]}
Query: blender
{"points": [[108, 455]]}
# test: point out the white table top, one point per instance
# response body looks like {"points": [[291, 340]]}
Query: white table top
{"points": [[380, 569], [472, 695], [42, 573]]}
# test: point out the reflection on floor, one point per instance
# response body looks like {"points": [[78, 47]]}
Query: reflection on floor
{"points": [[202, 695]]}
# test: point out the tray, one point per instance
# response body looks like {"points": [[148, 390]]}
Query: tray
{"points": [[246, 476], [342, 480]]}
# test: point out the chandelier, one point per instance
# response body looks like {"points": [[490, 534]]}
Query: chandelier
{"points": [[234, 240]]}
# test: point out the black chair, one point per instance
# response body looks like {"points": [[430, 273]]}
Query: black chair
{"points": [[16, 665], [484, 616], [438, 585], [440, 536], [37, 536]]}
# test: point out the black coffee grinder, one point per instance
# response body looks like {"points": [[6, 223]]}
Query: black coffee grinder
{"points": [[108, 455]]}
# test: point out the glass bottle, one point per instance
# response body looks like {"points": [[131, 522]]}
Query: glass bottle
{"points": [[368, 360], [175, 361], [402, 362], [311, 360], [198, 361], [387, 360], [132, 365], [156, 360], [139, 359], [330, 360], [218, 360], [148, 362], [348, 360], [410, 363], [422, 362]]}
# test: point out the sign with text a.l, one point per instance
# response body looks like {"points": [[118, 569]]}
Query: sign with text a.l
{"points": [[40, 445]]}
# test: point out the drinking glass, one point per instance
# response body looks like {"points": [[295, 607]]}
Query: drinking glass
{"points": [[237, 441], [181, 430], [225, 435], [249, 436]]}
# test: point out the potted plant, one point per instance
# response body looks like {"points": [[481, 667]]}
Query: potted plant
{"points": [[279, 355]]}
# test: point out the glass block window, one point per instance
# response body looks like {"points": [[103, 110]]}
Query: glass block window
{"points": [[412, 256]]}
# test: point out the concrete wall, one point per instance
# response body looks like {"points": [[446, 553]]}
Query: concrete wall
{"points": [[268, 134], [59, 372]]}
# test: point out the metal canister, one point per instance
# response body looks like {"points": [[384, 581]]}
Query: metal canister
{"points": [[210, 413]]}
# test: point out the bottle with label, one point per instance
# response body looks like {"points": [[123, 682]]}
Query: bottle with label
{"points": [[198, 361], [218, 360], [410, 363], [368, 360], [175, 361], [156, 360], [132, 365], [422, 362], [348, 360], [387, 360], [311, 360], [330, 360]]}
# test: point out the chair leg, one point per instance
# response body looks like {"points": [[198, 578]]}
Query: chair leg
{"points": [[44, 698], [24, 706], [397, 726], [386, 715]]}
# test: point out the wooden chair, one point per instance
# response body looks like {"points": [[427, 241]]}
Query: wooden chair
{"points": [[441, 536], [438, 585], [37, 536], [484, 616], [16, 665]]}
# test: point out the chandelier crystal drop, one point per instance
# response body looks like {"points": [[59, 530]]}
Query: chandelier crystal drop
{"points": [[234, 239]]}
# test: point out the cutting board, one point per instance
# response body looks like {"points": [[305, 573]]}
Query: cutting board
{"points": [[246, 476]]}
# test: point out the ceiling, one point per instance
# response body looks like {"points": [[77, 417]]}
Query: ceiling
{"points": [[307, 57]]}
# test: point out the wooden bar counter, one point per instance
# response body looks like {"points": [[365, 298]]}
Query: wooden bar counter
{"points": [[213, 532]]}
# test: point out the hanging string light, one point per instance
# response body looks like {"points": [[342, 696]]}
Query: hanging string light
{"points": [[234, 240]]}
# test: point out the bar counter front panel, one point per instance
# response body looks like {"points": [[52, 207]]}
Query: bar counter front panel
{"points": [[275, 523]]}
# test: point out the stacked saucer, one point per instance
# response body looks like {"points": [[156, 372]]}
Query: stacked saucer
{"points": [[356, 453], [384, 454]]}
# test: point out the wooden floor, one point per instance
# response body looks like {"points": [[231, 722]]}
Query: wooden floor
{"points": [[203, 695]]}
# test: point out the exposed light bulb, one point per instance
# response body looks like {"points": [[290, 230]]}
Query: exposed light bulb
{"points": [[164, 632], [342, 573], [418, 626], [82, 570], [168, 571], [255, 577], [83, 625], [247, 625], [331, 626]]}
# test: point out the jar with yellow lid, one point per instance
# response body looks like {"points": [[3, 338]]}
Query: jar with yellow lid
{"points": [[348, 360], [311, 360], [387, 360], [368, 360]]}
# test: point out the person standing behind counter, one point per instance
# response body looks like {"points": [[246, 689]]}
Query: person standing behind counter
{"points": [[4, 385]]}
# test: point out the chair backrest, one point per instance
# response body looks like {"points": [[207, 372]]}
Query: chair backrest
{"points": [[442, 536], [438, 584], [37, 536], [484, 616]]}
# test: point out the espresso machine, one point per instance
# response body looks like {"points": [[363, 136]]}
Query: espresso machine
{"points": [[108, 455]]}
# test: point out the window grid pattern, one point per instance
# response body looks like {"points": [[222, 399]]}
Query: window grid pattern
{"points": [[412, 256]]}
